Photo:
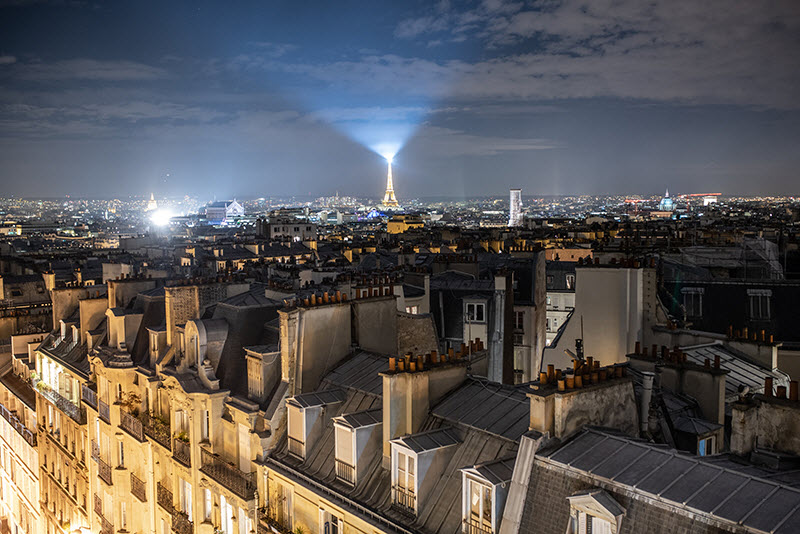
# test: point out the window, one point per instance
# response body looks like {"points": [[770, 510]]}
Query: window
{"points": [[549, 300], [519, 320], [185, 497], [245, 523], [330, 523], [549, 278], [570, 279], [759, 304], [121, 455], [204, 425], [479, 513], [123, 515], [208, 505], [280, 505], [588, 524], [705, 447], [405, 482], [225, 515], [475, 312], [412, 309], [296, 431], [594, 511], [345, 461], [547, 322], [693, 301]]}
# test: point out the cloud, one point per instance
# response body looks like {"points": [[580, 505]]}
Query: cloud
{"points": [[89, 69], [441, 142], [7, 60]]}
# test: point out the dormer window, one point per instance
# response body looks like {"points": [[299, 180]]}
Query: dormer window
{"points": [[408, 454], [404, 483], [594, 512], [485, 487], [306, 418], [475, 312], [356, 434]]}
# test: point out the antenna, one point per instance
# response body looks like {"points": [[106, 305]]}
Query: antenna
{"points": [[579, 343]]}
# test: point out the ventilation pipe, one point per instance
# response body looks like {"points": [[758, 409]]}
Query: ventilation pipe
{"points": [[647, 395]]}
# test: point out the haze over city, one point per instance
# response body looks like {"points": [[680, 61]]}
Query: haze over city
{"points": [[254, 99]]}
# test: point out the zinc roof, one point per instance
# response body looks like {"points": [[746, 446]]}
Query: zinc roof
{"points": [[430, 440], [686, 481]]}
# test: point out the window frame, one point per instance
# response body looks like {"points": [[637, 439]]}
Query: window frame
{"points": [[695, 294], [764, 299], [411, 459], [476, 305]]}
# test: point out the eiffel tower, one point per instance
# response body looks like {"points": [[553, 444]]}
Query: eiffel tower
{"points": [[389, 199]]}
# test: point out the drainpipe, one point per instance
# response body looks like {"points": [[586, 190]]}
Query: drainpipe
{"points": [[647, 395]]}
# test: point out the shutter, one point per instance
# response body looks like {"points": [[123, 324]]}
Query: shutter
{"points": [[344, 445]]}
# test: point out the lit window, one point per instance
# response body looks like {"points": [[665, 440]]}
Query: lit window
{"points": [[412, 309], [759, 303], [479, 517], [475, 312], [519, 320], [570, 279], [208, 504], [693, 301]]}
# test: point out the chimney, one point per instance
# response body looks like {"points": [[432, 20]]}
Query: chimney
{"points": [[647, 395], [409, 391]]}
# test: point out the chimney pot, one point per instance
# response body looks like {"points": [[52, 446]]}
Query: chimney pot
{"points": [[543, 378], [793, 390], [768, 386], [781, 392], [551, 372], [434, 356], [570, 382], [578, 381], [561, 385], [392, 364], [716, 361], [638, 348]]}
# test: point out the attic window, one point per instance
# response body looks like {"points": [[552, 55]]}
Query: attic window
{"points": [[478, 512], [297, 432], [570, 279], [693, 301], [475, 312], [759, 304], [345, 455], [594, 512], [404, 477]]}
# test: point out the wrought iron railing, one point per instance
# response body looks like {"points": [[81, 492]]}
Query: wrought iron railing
{"points": [[241, 483], [404, 500], [75, 412], [104, 471], [131, 425], [104, 410], [164, 497], [18, 425], [297, 448], [105, 526], [95, 451], [268, 523], [138, 488], [89, 396], [181, 451], [98, 504], [345, 472], [156, 429], [472, 527], [181, 523]]}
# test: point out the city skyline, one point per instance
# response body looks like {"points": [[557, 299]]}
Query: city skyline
{"points": [[475, 98]]}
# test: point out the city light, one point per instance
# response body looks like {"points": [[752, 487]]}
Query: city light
{"points": [[161, 217]]}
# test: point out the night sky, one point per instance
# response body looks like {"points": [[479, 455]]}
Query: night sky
{"points": [[263, 98]]}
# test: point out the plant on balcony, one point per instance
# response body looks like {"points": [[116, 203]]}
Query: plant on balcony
{"points": [[41, 386], [182, 436], [131, 402]]}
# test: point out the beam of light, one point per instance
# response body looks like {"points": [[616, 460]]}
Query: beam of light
{"points": [[161, 217]]}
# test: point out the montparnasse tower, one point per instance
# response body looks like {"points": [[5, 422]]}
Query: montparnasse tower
{"points": [[389, 199]]}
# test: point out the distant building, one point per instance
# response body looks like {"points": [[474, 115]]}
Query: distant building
{"points": [[293, 229], [389, 200], [221, 212], [152, 205], [401, 223], [515, 208], [666, 203]]}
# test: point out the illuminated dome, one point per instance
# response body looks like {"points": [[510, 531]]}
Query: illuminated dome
{"points": [[666, 203]]}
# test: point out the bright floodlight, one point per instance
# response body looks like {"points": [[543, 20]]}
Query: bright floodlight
{"points": [[389, 157], [161, 217]]}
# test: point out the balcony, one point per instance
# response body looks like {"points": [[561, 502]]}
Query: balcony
{"points": [[138, 489], [104, 411], [133, 426], [181, 523], [105, 526], [473, 527], [164, 497], [95, 451], [297, 448], [269, 524], [241, 483], [345, 472], [157, 430], [21, 429], [404, 500], [89, 396], [104, 471], [181, 451], [98, 505], [75, 412]]}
